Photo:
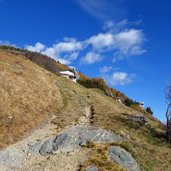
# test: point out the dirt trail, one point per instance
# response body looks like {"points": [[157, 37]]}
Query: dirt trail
{"points": [[60, 161], [88, 116], [53, 149], [12, 157], [57, 162], [19, 156]]}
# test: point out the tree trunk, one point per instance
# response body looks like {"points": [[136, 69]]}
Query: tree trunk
{"points": [[168, 116]]}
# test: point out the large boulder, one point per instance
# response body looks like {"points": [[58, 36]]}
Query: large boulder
{"points": [[73, 138], [124, 158]]}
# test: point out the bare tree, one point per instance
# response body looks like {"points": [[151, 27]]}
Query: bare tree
{"points": [[168, 111]]}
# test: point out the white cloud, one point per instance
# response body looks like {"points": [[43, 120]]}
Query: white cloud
{"points": [[94, 7], [73, 56], [121, 44], [120, 78], [125, 43], [64, 61], [105, 69], [114, 27], [38, 47], [126, 40], [91, 58], [65, 52], [108, 25], [128, 43], [101, 41], [69, 46], [103, 9]]}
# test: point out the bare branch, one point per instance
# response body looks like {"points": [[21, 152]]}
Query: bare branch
{"points": [[168, 111]]}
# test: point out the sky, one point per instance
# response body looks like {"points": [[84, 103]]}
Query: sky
{"points": [[126, 42]]}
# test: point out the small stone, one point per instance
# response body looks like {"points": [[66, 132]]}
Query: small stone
{"points": [[88, 96], [24, 151], [29, 154], [10, 117]]}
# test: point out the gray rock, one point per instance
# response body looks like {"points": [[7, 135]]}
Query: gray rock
{"points": [[47, 147], [35, 148], [75, 137], [88, 133], [59, 140], [124, 158], [138, 118], [92, 168], [52, 145], [11, 159]]}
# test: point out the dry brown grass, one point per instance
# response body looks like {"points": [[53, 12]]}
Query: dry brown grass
{"points": [[147, 145], [74, 102], [99, 157], [27, 95]]}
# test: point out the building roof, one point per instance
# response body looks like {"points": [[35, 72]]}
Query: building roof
{"points": [[69, 73]]}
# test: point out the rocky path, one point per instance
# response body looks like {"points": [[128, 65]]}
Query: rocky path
{"points": [[21, 156], [88, 116], [53, 149], [44, 157], [15, 155]]}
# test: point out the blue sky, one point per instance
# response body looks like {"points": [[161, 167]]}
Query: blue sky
{"points": [[127, 42]]}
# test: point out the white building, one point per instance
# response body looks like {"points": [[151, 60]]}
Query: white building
{"points": [[119, 101], [141, 104], [69, 75]]}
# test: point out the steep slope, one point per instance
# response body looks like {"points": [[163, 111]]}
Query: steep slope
{"points": [[29, 93], [145, 140]]}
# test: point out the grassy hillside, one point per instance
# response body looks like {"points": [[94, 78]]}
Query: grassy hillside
{"points": [[27, 95], [147, 144], [55, 67], [30, 95], [37, 58]]}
